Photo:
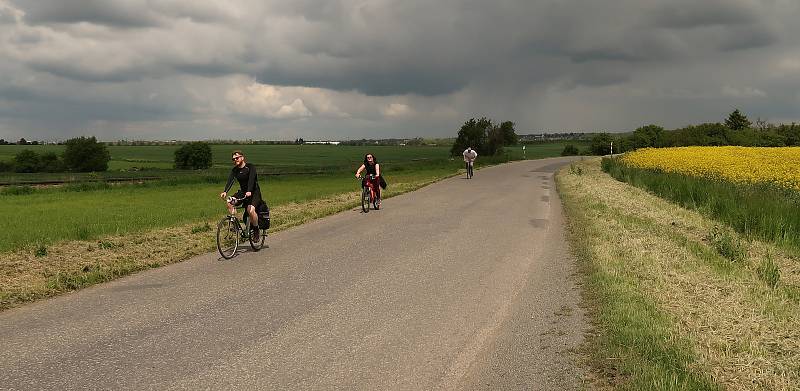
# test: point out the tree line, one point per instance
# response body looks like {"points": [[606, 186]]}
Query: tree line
{"points": [[81, 154], [736, 129], [86, 154]]}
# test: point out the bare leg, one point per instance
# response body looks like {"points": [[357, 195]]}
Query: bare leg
{"points": [[231, 208], [251, 210]]}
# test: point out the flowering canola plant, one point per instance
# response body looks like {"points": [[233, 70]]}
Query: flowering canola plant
{"points": [[778, 166]]}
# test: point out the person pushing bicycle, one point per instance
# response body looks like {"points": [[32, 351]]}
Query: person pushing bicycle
{"points": [[249, 193], [372, 167]]}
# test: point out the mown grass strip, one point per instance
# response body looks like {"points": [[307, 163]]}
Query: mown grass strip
{"points": [[634, 348], [759, 211], [673, 309]]}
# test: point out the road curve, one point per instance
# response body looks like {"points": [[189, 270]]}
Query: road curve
{"points": [[464, 284]]}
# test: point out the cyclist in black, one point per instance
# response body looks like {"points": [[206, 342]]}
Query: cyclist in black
{"points": [[245, 174], [371, 166]]}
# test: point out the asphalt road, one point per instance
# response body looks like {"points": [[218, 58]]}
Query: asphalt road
{"points": [[464, 284]]}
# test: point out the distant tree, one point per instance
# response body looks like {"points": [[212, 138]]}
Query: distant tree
{"points": [[737, 121], [509, 134], [416, 141], [84, 154], [22, 141], [474, 133], [647, 136], [26, 161], [193, 156], [601, 144], [3, 142], [495, 141], [49, 162], [570, 150], [34, 142]]}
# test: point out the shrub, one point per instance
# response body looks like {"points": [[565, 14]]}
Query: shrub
{"points": [[194, 156], [84, 154], [26, 161], [727, 245], [570, 150]]}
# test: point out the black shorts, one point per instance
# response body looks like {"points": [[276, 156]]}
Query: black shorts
{"points": [[255, 199]]}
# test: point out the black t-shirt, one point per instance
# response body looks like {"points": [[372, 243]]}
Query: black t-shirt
{"points": [[370, 169], [247, 178]]}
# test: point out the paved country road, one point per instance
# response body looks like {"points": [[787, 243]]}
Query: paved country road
{"points": [[464, 284]]}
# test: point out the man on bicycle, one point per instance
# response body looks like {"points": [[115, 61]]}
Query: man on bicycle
{"points": [[469, 156], [371, 166], [249, 192]]}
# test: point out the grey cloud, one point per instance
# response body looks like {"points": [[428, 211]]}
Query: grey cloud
{"points": [[115, 13], [691, 14], [469, 56]]}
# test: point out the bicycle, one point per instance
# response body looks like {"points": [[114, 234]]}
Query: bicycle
{"points": [[469, 169], [369, 194], [231, 230]]}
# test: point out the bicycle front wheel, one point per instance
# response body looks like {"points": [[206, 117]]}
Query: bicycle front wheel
{"points": [[227, 237], [365, 199]]}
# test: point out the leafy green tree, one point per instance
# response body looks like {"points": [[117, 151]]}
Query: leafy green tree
{"points": [[474, 133], [22, 141], [26, 161], [647, 136], [495, 141], [86, 154], [600, 144], [49, 162], [193, 156], [509, 134], [737, 121], [570, 150]]}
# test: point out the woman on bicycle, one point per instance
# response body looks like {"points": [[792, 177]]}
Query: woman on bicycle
{"points": [[249, 192], [372, 167]]}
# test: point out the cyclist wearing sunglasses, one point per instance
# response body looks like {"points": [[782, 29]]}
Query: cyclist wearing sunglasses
{"points": [[249, 191]]}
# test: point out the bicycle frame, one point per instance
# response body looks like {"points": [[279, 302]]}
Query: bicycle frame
{"points": [[371, 183]]}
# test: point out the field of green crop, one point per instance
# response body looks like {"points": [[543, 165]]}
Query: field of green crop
{"points": [[83, 211], [157, 161]]}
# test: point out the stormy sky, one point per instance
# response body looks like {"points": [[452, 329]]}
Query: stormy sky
{"points": [[268, 69]]}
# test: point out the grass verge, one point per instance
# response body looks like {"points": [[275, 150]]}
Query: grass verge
{"points": [[761, 211], [680, 302]]}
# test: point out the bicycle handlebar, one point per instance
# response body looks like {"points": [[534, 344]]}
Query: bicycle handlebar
{"points": [[233, 200]]}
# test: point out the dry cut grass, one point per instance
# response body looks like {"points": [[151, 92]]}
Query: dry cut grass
{"points": [[30, 273], [742, 333]]}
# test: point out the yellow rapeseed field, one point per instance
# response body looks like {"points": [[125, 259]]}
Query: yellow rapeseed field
{"points": [[779, 166]]}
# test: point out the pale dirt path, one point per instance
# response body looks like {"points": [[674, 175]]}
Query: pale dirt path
{"points": [[464, 284]]}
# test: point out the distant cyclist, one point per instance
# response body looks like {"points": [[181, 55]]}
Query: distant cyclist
{"points": [[371, 166], [249, 191], [469, 158]]}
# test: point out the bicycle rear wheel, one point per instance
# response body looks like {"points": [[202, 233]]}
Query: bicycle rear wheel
{"points": [[257, 244], [228, 237], [365, 199]]}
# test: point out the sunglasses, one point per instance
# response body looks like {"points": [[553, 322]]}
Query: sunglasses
{"points": [[235, 158]]}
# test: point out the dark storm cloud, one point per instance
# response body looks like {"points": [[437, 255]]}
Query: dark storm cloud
{"points": [[446, 56], [103, 12], [690, 13]]}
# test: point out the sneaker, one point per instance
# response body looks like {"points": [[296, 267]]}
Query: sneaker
{"points": [[254, 233]]}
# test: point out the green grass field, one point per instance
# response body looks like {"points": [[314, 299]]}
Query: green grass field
{"points": [[46, 215], [157, 161]]}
